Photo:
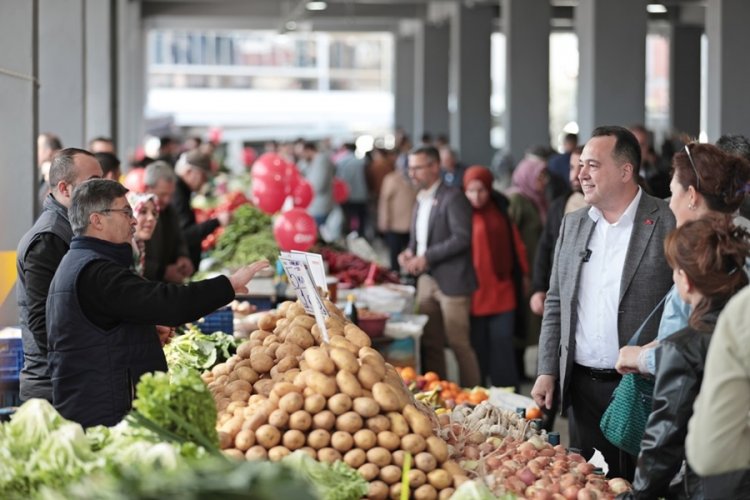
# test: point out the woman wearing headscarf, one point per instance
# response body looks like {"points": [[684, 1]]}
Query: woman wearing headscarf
{"points": [[528, 211], [146, 212], [499, 264]]}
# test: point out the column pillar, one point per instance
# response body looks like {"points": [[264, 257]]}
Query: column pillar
{"points": [[728, 73], [612, 69], [526, 24], [130, 77], [100, 31], [434, 93], [404, 82], [469, 83], [685, 79], [18, 128], [62, 46]]}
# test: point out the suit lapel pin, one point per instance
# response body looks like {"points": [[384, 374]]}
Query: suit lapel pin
{"points": [[649, 222]]}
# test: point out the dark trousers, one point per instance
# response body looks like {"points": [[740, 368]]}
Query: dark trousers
{"points": [[589, 398], [492, 340], [355, 217], [396, 242]]}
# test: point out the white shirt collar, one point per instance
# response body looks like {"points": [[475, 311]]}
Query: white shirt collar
{"points": [[627, 217], [424, 194]]}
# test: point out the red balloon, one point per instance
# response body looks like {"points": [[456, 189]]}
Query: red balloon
{"points": [[340, 190], [135, 180], [273, 166], [268, 194], [303, 194], [248, 156], [295, 230]]}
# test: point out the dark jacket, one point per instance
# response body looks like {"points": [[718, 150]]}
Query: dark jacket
{"points": [[193, 232], [678, 381], [38, 255], [166, 245], [100, 318], [448, 252], [545, 250]]}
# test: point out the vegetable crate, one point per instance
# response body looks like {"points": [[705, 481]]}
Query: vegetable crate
{"points": [[9, 395], [221, 320], [11, 359]]}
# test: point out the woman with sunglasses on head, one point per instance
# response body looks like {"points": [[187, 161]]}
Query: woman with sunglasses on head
{"points": [[705, 182], [707, 257]]}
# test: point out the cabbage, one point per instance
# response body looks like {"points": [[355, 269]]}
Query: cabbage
{"points": [[332, 482]]}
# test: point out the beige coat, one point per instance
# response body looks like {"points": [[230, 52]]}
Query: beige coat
{"points": [[396, 203]]}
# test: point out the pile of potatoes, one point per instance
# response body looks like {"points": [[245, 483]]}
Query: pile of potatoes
{"points": [[287, 390]]}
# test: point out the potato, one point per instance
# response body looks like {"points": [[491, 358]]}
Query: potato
{"points": [[376, 363], [339, 404], [320, 383], [385, 396], [236, 407], [399, 425], [397, 457], [276, 453], [259, 335], [288, 349], [284, 307], [424, 461], [379, 456], [366, 407], [256, 452], [390, 474], [264, 386], [413, 443], [355, 458], [377, 490], [267, 436], [294, 310], [438, 449], [237, 385], [292, 402], [300, 336], [350, 422], [425, 492], [244, 350], [314, 403], [312, 453], [344, 360], [304, 321], [293, 439], [328, 455], [279, 418], [459, 479], [317, 359], [267, 322], [285, 364], [341, 342], [261, 362], [365, 439], [318, 439], [417, 478], [225, 440], [394, 493], [348, 384], [270, 340], [356, 336], [300, 420], [254, 421], [232, 426], [281, 325], [244, 440], [418, 421], [367, 376], [290, 375], [342, 441], [388, 440], [365, 351], [271, 349], [239, 396], [446, 494], [439, 479], [220, 369], [324, 420], [453, 468], [369, 471], [247, 373], [234, 454], [378, 423], [242, 362]]}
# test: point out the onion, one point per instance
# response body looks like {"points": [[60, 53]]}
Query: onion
{"points": [[587, 494], [493, 463], [486, 448], [547, 452], [575, 457], [585, 468], [570, 493], [526, 476], [471, 452], [619, 485]]}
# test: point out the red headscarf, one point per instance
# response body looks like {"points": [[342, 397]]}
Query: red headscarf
{"points": [[490, 231]]}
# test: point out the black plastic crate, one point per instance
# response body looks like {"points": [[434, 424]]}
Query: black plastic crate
{"points": [[11, 359], [221, 320]]}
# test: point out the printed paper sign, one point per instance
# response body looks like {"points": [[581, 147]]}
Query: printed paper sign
{"points": [[300, 279]]}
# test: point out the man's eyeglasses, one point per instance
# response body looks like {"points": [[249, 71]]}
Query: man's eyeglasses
{"points": [[127, 211], [415, 168], [695, 170]]}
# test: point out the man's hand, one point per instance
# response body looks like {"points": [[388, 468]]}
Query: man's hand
{"points": [[242, 276], [543, 391], [404, 257], [536, 302], [185, 266], [417, 265], [165, 334]]}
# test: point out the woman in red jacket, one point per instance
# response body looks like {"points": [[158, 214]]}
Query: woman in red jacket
{"points": [[500, 264]]}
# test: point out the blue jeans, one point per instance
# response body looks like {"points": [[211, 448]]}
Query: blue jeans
{"points": [[492, 340]]}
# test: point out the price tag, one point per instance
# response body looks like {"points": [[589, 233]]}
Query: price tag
{"points": [[317, 269], [301, 280]]}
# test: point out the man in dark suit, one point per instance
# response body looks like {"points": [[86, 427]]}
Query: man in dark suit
{"points": [[439, 253], [608, 274]]}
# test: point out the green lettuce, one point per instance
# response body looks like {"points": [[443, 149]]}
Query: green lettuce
{"points": [[335, 481]]}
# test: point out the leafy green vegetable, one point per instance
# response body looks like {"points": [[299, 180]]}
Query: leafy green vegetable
{"points": [[249, 237], [199, 351], [332, 482], [477, 490], [180, 403]]}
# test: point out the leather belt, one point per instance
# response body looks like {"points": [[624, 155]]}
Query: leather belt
{"points": [[598, 373]]}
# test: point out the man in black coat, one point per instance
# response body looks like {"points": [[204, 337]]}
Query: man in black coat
{"points": [[39, 253]]}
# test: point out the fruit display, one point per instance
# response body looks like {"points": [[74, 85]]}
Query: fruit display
{"points": [[353, 271], [287, 390], [440, 394]]}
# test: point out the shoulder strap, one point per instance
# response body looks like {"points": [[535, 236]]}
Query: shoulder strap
{"points": [[634, 339]]}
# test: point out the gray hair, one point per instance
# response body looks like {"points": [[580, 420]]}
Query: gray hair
{"points": [[89, 197], [63, 167], [158, 171]]}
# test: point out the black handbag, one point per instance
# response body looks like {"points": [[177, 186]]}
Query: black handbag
{"points": [[624, 420]]}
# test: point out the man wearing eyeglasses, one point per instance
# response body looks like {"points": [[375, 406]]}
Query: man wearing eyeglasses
{"points": [[439, 253], [101, 314], [38, 255]]}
